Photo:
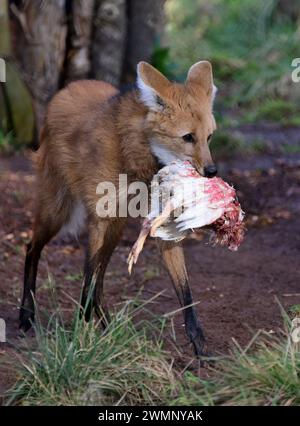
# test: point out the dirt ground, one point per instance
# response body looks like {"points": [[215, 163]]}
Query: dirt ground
{"points": [[237, 292]]}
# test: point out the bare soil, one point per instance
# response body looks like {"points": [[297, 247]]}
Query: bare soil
{"points": [[238, 292]]}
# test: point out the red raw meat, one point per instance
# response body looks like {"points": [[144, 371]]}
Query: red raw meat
{"points": [[209, 202]]}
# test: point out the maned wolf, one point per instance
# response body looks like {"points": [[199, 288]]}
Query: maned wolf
{"points": [[92, 134]]}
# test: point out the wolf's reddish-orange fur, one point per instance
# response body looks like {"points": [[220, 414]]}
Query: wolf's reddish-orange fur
{"points": [[92, 134]]}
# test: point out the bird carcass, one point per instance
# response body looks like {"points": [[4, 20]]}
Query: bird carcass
{"points": [[182, 201]]}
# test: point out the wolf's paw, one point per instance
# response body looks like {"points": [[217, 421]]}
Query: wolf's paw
{"points": [[205, 357], [26, 319]]}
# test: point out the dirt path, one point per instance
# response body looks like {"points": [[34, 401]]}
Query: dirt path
{"points": [[237, 291]]}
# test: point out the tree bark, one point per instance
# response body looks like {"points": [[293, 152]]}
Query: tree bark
{"points": [[38, 33], [145, 28], [108, 44], [290, 8], [57, 41], [78, 50]]}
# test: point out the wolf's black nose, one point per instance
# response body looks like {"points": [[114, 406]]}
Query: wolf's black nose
{"points": [[210, 171]]}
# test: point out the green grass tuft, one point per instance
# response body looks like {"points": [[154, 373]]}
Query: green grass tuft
{"points": [[270, 375], [81, 365], [277, 110], [7, 142], [225, 145]]}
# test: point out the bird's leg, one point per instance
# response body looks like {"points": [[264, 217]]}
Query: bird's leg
{"points": [[149, 226], [138, 245], [160, 219]]}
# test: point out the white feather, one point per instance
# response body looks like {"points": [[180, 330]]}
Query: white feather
{"points": [[202, 202], [189, 193]]}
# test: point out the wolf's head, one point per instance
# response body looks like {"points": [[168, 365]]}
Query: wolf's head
{"points": [[180, 121]]}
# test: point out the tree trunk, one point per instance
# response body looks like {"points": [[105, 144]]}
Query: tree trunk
{"points": [[38, 33], [108, 42], [290, 8], [145, 28], [57, 41], [78, 49]]}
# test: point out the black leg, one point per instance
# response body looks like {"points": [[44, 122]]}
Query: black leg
{"points": [[173, 256], [26, 316], [192, 326], [92, 295], [43, 233], [103, 238]]}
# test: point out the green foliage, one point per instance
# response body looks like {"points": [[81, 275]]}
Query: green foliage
{"points": [[81, 365], [225, 145], [74, 277], [290, 149], [270, 375], [5, 141], [4, 33], [8, 142], [294, 310], [278, 110], [18, 97], [161, 60], [229, 143], [249, 43], [21, 106]]}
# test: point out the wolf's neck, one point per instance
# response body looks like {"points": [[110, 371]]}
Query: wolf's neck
{"points": [[139, 161]]}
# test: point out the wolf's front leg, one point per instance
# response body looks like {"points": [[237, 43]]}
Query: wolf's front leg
{"points": [[173, 256], [104, 236]]}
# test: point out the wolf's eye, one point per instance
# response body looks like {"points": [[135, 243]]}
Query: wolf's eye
{"points": [[189, 138], [209, 137]]}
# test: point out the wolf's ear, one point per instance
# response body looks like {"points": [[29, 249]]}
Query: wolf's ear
{"points": [[201, 74], [153, 86]]}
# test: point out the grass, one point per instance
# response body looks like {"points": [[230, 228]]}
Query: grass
{"points": [[294, 310], [269, 375], [78, 364], [290, 149], [227, 144], [74, 277], [276, 110], [7, 142], [250, 43]]}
